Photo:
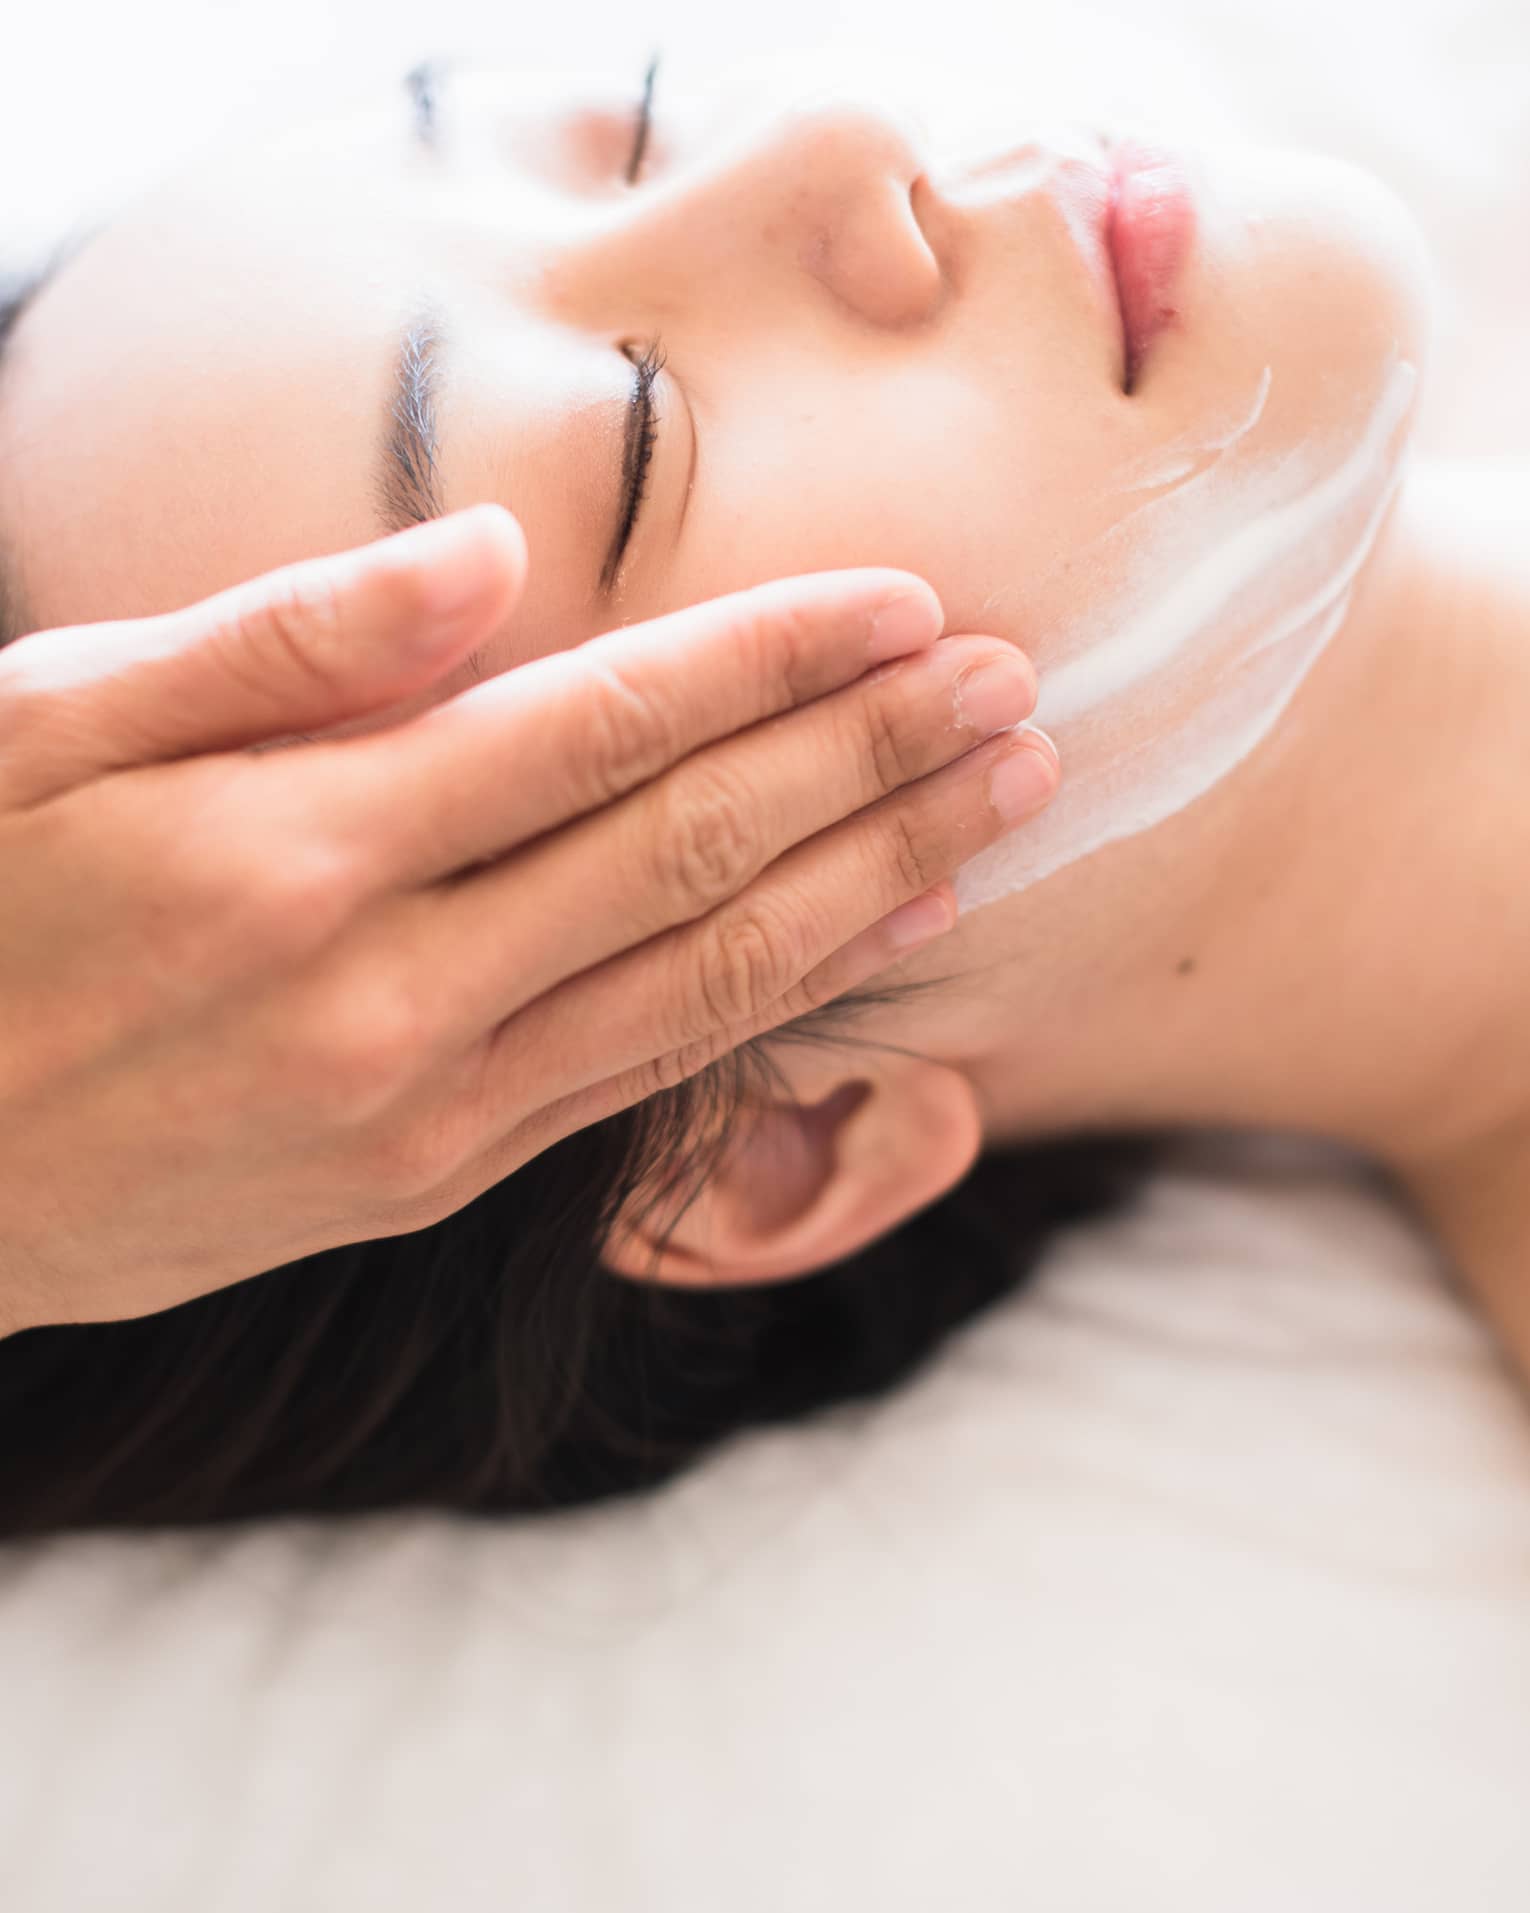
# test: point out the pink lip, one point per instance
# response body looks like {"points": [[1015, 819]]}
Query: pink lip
{"points": [[1149, 227]]}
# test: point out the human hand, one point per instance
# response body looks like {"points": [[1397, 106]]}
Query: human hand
{"points": [[257, 1003]]}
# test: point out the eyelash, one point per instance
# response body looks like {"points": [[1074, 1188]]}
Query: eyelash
{"points": [[644, 119], [423, 84], [635, 477]]}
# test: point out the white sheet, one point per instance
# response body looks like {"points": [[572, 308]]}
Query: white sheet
{"points": [[1197, 1579]]}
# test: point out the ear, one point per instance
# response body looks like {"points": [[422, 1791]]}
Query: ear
{"points": [[803, 1183]]}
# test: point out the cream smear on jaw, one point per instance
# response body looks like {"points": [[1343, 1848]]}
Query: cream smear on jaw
{"points": [[1240, 580], [1175, 461]]}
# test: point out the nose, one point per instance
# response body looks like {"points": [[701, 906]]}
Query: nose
{"points": [[816, 204]]}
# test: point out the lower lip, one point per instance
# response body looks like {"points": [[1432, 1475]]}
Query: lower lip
{"points": [[1150, 229]]}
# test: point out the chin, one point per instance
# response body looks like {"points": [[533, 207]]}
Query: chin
{"points": [[1313, 267]]}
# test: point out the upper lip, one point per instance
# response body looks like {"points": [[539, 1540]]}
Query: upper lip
{"points": [[1086, 189], [1082, 186]]}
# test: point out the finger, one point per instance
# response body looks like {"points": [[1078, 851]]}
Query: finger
{"points": [[297, 649], [909, 928], [687, 843], [472, 778], [700, 985]]}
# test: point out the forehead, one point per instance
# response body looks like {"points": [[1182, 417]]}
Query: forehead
{"points": [[193, 395], [199, 395]]}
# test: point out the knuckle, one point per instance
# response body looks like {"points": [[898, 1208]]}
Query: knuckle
{"points": [[892, 750], [706, 846], [910, 852], [232, 902], [804, 998], [369, 1051], [784, 640], [300, 901], [630, 735], [407, 1162], [742, 968], [676, 1066], [808, 993]]}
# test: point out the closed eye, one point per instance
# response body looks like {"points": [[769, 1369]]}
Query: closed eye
{"points": [[424, 85], [637, 452]]}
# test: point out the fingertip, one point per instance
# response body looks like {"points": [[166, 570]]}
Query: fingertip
{"points": [[500, 526], [458, 561], [1009, 655], [1045, 742], [505, 560], [907, 616], [921, 921], [1030, 667]]}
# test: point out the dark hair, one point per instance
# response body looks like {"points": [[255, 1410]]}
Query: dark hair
{"points": [[489, 1362]]}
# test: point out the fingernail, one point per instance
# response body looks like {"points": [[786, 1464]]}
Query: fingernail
{"points": [[920, 921], [1023, 782], [904, 623], [991, 696], [455, 555]]}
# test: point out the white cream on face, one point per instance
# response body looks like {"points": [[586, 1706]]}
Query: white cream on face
{"points": [[1233, 582], [1181, 458]]}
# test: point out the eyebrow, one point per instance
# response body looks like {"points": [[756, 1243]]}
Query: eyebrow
{"points": [[407, 483]]}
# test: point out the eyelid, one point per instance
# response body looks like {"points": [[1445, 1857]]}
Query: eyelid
{"points": [[599, 131], [424, 85], [649, 432]]}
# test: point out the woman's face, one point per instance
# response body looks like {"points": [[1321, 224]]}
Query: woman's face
{"points": [[873, 353]]}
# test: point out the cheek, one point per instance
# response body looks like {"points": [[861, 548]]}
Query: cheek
{"points": [[1285, 404], [1308, 267], [972, 466], [1184, 631], [1233, 585]]}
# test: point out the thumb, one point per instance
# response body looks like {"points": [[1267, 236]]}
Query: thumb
{"points": [[301, 648]]}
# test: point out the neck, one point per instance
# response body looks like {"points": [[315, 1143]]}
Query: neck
{"points": [[1336, 939]]}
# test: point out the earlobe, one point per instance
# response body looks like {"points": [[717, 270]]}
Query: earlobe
{"points": [[803, 1183]]}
